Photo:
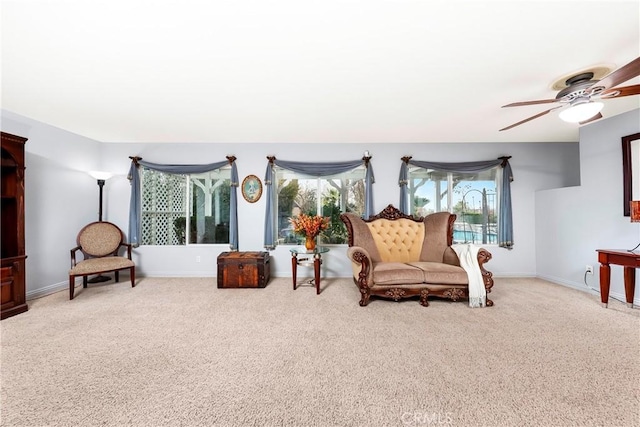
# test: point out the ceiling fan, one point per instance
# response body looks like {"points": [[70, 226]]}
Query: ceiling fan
{"points": [[580, 92]]}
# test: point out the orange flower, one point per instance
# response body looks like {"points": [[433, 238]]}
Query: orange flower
{"points": [[309, 225]]}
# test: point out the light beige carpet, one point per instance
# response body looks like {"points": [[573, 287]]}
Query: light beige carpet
{"points": [[182, 352]]}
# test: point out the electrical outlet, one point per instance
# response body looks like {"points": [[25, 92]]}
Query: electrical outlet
{"points": [[589, 269], [198, 258]]}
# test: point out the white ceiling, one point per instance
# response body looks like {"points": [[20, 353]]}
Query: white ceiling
{"points": [[365, 71]]}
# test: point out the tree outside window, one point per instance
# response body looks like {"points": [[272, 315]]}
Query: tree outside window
{"points": [[326, 196]]}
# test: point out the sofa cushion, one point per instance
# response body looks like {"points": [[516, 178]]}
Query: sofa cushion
{"points": [[396, 273], [437, 272]]}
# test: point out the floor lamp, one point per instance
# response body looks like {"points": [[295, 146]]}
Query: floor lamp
{"points": [[101, 177]]}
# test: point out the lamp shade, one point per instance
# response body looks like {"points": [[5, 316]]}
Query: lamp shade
{"points": [[100, 175], [635, 210], [580, 112]]}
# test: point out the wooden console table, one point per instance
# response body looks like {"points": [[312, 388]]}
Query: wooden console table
{"points": [[629, 260]]}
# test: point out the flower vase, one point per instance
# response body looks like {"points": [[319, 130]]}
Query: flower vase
{"points": [[310, 243]]}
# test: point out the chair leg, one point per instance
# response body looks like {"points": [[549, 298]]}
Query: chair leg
{"points": [[117, 275], [133, 276], [72, 285], [85, 280]]}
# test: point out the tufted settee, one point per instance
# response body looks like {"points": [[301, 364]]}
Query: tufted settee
{"points": [[397, 256]]}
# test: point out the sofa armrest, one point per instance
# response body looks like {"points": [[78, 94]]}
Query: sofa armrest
{"points": [[362, 265], [484, 256]]}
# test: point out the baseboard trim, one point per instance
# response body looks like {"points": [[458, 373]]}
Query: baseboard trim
{"points": [[62, 286], [588, 288], [203, 273], [47, 290]]}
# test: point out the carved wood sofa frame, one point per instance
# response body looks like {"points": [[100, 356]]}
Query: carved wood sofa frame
{"points": [[364, 278]]}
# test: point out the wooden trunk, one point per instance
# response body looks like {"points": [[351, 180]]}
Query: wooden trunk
{"points": [[243, 269]]}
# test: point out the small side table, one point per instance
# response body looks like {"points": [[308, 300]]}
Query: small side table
{"points": [[629, 260], [314, 259]]}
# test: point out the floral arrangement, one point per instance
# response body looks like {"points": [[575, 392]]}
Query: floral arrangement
{"points": [[309, 225]]}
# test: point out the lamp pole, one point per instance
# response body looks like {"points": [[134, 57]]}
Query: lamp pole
{"points": [[101, 177], [100, 184]]}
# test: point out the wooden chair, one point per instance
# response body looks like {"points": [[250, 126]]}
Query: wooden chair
{"points": [[100, 243]]}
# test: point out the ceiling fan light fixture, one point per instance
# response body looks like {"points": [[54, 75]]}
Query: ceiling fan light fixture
{"points": [[579, 112]]}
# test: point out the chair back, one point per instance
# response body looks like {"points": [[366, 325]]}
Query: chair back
{"points": [[100, 239]]}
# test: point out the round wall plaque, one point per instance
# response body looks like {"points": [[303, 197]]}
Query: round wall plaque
{"points": [[251, 188]]}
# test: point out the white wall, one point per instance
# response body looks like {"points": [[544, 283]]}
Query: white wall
{"points": [[571, 223], [535, 166], [60, 198]]}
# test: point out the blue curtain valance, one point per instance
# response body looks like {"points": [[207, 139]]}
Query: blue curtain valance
{"points": [[135, 210]]}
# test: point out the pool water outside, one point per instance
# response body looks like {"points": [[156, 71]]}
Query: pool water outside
{"points": [[460, 236]]}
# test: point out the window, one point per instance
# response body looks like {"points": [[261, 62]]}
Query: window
{"points": [[185, 209], [473, 197], [326, 196]]}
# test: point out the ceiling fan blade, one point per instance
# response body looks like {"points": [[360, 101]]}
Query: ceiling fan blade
{"points": [[621, 91], [520, 104], [596, 117], [621, 75], [530, 118]]}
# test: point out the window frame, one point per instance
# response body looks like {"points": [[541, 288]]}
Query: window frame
{"points": [[188, 201], [490, 209], [279, 173]]}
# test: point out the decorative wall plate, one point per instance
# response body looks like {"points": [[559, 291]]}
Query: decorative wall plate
{"points": [[251, 188]]}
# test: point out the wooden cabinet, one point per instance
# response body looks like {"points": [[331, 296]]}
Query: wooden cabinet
{"points": [[12, 269]]}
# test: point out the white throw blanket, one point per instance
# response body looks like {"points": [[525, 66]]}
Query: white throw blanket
{"points": [[468, 255]]}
